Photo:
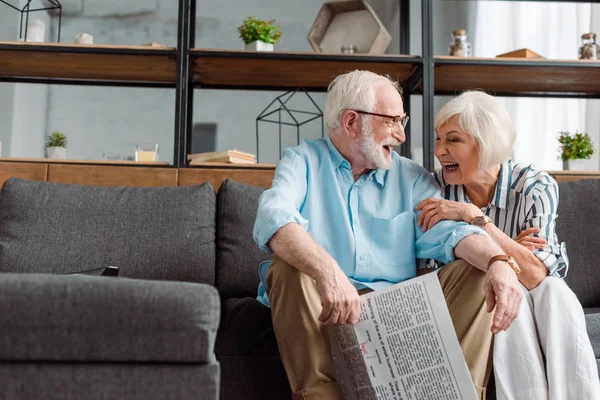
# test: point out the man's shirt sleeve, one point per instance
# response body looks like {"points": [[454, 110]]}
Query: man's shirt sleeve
{"points": [[280, 205], [438, 242]]}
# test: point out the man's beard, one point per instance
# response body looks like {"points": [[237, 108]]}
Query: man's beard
{"points": [[373, 151]]}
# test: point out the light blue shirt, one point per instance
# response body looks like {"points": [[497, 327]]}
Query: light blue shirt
{"points": [[369, 226]]}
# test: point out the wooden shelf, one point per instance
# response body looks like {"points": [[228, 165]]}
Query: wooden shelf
{"points": [[68, 161], [252, 70], [232, 165], [518, 76], [88, 64]]}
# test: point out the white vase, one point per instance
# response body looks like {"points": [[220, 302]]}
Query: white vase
{"points": [[56, 152], [259, 45]]}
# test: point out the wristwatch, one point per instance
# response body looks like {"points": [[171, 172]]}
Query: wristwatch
{"points": [[509, 259], [481, 221]]}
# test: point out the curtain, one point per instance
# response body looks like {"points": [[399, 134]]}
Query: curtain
{"points": [[593, 106], [554, 31]]}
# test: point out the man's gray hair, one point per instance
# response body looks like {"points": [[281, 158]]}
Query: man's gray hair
{"points": [[484, 118], [354, 90]]}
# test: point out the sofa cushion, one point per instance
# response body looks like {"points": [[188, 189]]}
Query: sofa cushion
{"points": [[164, 233], [90, 381], [84, 318], [238, 256], [245, 329], [592, 321], [578, 225]]}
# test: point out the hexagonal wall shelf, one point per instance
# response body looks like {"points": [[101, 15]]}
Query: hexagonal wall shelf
{"points": [[348, 23]]}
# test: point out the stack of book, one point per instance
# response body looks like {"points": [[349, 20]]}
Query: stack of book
{"points": [[228, 156]]}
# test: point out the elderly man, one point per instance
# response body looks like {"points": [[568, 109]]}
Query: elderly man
{"points": [[340, 218]]}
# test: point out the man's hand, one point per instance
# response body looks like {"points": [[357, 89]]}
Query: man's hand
{"points": [[531, 242], [435, 210], [340, 300], [502, 292]]}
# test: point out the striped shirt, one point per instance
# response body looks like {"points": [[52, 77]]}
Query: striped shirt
{"points": [[524, 198]]}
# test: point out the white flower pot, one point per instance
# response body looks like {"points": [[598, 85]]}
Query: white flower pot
{"points": [[575, 165], [56, 152], [259, 45]]}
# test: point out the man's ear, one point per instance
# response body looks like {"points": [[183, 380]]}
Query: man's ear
{"points": [[351, 123]]}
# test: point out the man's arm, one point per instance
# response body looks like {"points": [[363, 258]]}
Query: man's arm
{"points": [[449, 239], [501, 285], [340, 300], [533, 270], [280, 228]]}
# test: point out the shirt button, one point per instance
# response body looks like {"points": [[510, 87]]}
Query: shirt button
{"points": [[361, 258]]}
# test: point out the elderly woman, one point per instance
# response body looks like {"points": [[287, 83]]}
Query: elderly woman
{"points": [[546, 353]]}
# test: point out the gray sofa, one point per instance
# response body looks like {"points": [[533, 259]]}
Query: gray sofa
{"points": [[148, 334], [173, 244]]}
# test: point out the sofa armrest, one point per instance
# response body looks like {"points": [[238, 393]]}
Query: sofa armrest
{"points": [[87, 318]]}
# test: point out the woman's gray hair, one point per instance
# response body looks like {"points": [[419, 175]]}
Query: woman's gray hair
{"points": [[355, 91], [484, 118]]}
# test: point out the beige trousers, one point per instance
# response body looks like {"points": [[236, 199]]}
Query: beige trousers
{"points": [[304, 345]]}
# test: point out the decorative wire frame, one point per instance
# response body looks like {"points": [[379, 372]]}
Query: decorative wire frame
{"points": [[283, 108], [55, 6]]}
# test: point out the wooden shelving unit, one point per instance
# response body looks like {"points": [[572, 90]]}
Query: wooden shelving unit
{"points": [[186, 69], [250, 70], [88, 64], [518, 77]]}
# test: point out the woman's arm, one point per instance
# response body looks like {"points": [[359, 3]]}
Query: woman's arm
{"points": [[533, 271]]}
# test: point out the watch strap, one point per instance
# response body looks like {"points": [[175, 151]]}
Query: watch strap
{"points": [[509, 260]]}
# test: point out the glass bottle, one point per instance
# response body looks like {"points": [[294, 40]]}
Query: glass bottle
{"points": [[589, 50], [459, 45]]}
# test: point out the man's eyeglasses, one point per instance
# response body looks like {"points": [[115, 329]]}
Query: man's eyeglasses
{"points": [[396, 120]]}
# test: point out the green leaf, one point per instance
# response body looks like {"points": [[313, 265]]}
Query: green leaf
{"points": [[56, 139], [575, 146], [254, 29]]}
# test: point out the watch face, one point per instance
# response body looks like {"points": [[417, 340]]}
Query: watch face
{"points": [[479, 222]]}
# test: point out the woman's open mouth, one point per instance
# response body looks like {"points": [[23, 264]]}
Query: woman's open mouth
{"points": [[450, 167]]}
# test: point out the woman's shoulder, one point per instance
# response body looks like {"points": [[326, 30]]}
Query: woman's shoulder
{"points": [[529, 180]]}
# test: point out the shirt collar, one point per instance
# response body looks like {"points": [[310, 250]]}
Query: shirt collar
{"points": [[337, 160], [500, 198], [336, 157], [380, 176]]}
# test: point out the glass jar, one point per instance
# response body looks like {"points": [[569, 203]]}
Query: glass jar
{"points": [[459, 45], [349, 49], [589, 50]]}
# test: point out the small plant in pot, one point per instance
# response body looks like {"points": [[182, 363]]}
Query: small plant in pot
{"points": [[573, 148], [56, 146], [259, 35]]}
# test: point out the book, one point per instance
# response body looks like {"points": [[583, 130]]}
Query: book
{"points": [[227, 156], [521, 53]]}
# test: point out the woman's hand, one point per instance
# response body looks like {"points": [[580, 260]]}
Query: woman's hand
{"points": [[435, 210], [530, 242]]}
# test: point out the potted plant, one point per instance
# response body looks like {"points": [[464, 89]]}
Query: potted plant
{"points": [[56, 146], [259, 35], [573, 148]]}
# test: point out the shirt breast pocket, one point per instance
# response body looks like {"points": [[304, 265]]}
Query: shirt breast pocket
{"points": [[393, 240]]}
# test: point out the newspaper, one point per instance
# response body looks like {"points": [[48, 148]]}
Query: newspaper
{"points": [[403, 347]]}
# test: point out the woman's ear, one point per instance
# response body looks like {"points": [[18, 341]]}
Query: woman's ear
{"points": [[351, 123]]}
